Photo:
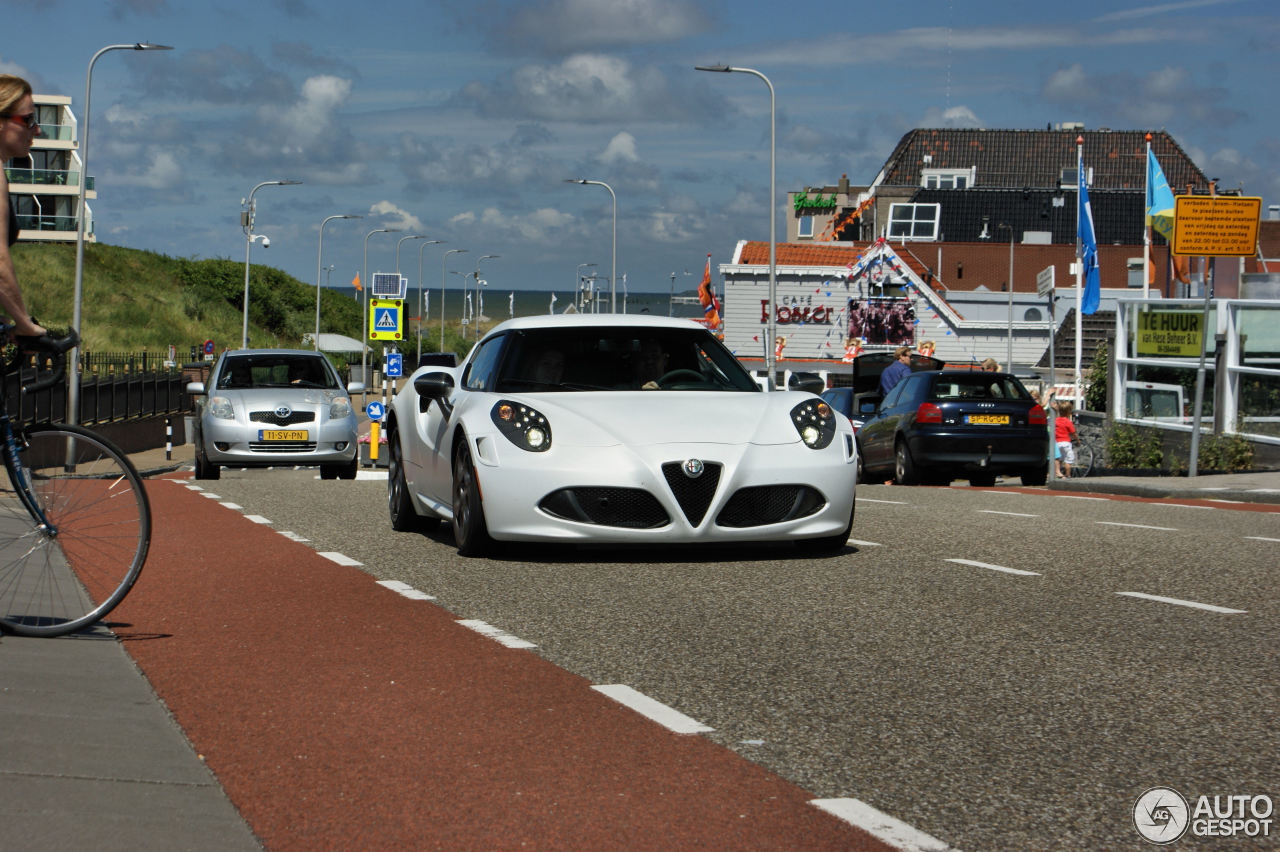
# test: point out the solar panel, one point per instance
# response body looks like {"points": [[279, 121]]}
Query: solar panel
{"points": [[388, 285]]}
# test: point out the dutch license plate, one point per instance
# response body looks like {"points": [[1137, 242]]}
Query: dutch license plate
{"points": [[987, 419], [282, 435]]}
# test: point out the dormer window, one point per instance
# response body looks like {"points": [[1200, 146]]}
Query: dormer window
{"points": [[914, 221], [948, 178]]}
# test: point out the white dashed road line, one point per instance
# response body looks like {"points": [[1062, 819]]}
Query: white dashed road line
{"points": [[1137, 526], [892, 831], [405, 590], [991, 567], [1179, 602], [665, 716], [257, 519], [890, 502], [293, 536], [497, 635], [1261, 538], [341, 559], [1013, 514], [858, 543]]}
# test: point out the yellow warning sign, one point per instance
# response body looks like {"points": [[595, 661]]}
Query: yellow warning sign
{"points": [[386, 319], [1169, 333], [1216, 225]]}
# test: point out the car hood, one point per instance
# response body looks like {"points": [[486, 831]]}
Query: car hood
{"points": [[647, 418]]}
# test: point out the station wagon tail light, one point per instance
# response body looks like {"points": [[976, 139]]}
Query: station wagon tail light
{"points": [[928, 413], [816, 423], [1037, 416], [340, 408], [221, 408], [523, 426]]}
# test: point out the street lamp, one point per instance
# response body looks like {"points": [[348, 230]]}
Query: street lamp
{"points": [[773, 224], [476, 274], [319, 258], [364, 313], [246, 222], [613, 280], [73, 389], [421, 289], [1008, 364], [444, 258]]}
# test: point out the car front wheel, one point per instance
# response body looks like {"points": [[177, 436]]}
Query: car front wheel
{"points": [[469, 530]]}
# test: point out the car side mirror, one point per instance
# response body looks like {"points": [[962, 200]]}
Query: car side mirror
{"points": [[355, 387], [195, 388], [434, 387]]}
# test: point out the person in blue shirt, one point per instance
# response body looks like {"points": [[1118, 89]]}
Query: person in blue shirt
{"points": [[897, 371]]}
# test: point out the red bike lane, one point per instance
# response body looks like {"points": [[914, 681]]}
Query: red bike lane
{"points": [[339, 714]]}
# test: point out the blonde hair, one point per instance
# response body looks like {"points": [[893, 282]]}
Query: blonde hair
{"points": [[12, 90], [992, 365]]}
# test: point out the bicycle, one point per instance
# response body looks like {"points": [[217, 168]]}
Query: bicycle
{"points": [[1083, 465], [75, 522]]}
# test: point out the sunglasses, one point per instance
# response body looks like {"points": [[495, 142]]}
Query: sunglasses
{"points": [[28, 119]]}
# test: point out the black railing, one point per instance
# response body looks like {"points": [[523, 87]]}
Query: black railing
{"points": [[113, 387]]}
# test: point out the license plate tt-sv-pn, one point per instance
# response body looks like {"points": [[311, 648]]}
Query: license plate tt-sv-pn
{"points": [[282, 435]]}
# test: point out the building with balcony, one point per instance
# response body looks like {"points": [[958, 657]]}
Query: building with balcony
{"points": [[45, 186]]}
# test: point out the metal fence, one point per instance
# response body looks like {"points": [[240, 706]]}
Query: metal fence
{"points": [[113, 387]]}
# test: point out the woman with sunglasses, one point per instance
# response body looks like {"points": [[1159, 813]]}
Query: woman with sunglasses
{"points": [[18, 128]]}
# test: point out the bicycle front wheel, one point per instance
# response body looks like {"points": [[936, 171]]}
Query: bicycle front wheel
{"points": [[1084, 460], [69, 569]]}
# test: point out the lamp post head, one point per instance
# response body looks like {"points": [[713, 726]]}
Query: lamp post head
{"points": [[576, 180], [721, 68], [146, 45]]}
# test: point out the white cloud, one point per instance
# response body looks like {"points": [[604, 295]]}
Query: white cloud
{"points": [[621, 148], [164, 172], [561, 26], [956, 116], [310, 117], [395, 217]]}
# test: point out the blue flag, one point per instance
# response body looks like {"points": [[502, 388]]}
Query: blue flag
{"points": [[1160, 203], [1088, 250]]}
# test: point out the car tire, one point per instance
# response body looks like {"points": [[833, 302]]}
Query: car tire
{"points": [[404, 517], [862, 471], [904, 468], [986, 480], [1036, 477], [470, 533], [205, 470], [328, 471]]}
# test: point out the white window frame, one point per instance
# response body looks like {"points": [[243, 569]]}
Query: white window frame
{"points": [[948, 178], [804, 227], [918, 224]]}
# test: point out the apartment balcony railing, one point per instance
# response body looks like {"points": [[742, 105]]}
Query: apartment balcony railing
{"points": [[47, 177], [48, 223], [61, 132]]}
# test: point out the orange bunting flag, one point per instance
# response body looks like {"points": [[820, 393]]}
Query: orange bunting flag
{"points": [[355, 282], [707, 296]]}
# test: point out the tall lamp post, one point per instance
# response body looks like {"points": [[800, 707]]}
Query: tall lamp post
{"points": [[613, 277], [73, 389], [1008, 363], [444, 259], [246, 222], [364, 313], [421, 291], [319, 260], [475, 332], [769, 358]]}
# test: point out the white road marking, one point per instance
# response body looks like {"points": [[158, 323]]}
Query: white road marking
{"points": [[194, 487], [1179, 602], [991, 567], [1080, 497], [292, 536], [665, 716], [1137, 526], [334, 556], [892, 831], [405, 590], [210, 495], [371, 474], [1261, 538], [890, 502], [1186, 506], [257, 519], [236, 506], [1013, 514], [858, 543], [496, 634]]}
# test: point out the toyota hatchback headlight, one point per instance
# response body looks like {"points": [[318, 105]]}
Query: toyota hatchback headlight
{"points": [[221, 408], [816, 423], [523, 426], [340, 408]]}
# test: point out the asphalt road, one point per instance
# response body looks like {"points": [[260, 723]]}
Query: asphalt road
{"points": [[974, 664]]}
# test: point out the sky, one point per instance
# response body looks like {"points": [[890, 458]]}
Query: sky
{"points": [[460, 120]]}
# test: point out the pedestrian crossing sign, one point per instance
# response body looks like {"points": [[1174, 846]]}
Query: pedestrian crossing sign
{"points": [[386, 319]]}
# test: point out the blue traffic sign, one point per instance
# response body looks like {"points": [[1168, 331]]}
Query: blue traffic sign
{"points": [[395, 365], [375, 410]]}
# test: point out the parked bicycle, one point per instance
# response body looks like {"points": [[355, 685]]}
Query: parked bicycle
{"points": [[75, 522], [1084, 457]]}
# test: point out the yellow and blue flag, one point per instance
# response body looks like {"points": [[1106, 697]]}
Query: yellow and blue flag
{"points": [[1160, 202]]}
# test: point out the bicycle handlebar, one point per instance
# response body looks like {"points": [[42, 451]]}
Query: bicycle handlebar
{"points": [[56, 347]]}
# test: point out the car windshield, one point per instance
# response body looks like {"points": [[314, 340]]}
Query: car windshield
{"points": [[246, 372], [979, 386], [621, 358]]}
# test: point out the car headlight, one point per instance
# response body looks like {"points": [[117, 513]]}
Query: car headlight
{"points": [[339, 408], [221, 408], [816, 423], [525, 427]]}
